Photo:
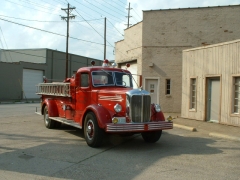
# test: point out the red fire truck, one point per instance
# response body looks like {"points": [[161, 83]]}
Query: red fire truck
{"points": [[100, 100]]}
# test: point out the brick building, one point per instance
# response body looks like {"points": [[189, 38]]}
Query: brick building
{"points": [[154, 46]]}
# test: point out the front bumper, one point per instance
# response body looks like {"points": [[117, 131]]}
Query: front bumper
{"points": [[138, 127]]}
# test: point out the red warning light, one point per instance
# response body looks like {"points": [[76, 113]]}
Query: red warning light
{"points": [[106, 61]]}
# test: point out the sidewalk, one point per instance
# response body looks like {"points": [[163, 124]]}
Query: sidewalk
{"points": [[212, 129]]}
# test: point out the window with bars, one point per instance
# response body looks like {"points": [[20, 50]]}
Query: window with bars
{"points": [[193, 93], [168, 86], [236, 95]]}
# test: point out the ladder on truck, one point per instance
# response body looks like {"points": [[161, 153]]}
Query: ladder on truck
{"points": [[54, 89]]}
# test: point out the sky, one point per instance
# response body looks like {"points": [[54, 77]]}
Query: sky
{"points": [[31, 24]]}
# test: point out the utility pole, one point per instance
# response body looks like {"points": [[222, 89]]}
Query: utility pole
{"points": [[105, 38], [128, 14], [68, 10]]}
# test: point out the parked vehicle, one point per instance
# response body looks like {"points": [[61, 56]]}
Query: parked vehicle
{"points": [[101, 100]]}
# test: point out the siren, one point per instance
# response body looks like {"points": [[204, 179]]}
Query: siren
{"points": [[92, 63], [105, 63], [127, 65]]}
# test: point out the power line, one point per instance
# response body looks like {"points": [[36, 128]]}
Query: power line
{"points": [[5, 43], [114, 6], [47, 21], [36, 4], [122, 2], [102, 10], [119, 4], [31, 8], [94, 29], [107, 7], [115, 28], [137, 14], [50, 32], [94, 9]]}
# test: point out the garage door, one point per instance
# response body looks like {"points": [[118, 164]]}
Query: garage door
{"points": [[133, 70], [30, 79]]}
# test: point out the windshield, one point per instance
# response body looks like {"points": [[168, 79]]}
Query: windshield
{"points": [[110, 78]]}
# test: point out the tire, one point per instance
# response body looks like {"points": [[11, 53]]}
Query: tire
{"points": [[50, 124], [151, 137], [92, 132]]}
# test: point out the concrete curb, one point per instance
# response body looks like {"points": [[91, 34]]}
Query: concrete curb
{"points": [[223, 136], [193, 129]]}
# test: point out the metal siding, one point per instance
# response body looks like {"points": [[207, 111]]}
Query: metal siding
{"points": [[215, 60]]}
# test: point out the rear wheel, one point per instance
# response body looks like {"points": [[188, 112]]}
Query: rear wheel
{"points": [[50, 124], [151, 137], [92, 132]]}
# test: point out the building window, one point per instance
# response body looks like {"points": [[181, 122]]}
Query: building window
{"points": [[193, 93], [236, 95], [168, 86]]}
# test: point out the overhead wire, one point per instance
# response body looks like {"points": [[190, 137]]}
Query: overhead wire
{"points": [[35, 4], [94, 9], [61, 34], [92, 27], [48, 21], [114, 6], [31, 7], [137, 14], [102, 9], [5, 44], [108, 7], [50, 32]]}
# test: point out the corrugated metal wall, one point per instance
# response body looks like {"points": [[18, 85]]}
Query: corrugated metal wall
{"points": [[221, 60]]}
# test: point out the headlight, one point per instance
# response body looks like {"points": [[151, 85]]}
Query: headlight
{"points": [[117, 107], [157, 107]]}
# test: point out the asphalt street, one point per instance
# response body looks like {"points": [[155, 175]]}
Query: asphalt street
{"points": [[28, 150]]}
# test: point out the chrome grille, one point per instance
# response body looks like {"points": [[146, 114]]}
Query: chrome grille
{"points": [[140, 108]]}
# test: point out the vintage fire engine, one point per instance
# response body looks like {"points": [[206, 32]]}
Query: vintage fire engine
{"points": [[100, 100]]}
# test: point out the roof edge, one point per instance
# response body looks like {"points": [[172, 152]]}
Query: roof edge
{"points": [[190, 8]]}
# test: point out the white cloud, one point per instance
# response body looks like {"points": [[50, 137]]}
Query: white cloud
{"points": [[19, 37]]}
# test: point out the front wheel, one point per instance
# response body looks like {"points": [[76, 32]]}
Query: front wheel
{"points": [[92, 132], [151, 137]]}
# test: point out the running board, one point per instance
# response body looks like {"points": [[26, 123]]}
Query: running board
{"points": [[66, 121]]}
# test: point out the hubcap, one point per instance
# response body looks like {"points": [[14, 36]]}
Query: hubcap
{"points": [[46, 118], [90, 129]]}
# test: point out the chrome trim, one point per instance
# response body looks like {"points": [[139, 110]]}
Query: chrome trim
{"points": [[138, 127], [137, 92], [140, 108]]}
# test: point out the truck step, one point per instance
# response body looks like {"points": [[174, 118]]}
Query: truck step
{"points": [[66, 121]]}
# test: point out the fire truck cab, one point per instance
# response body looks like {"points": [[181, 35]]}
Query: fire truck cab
{"points": [[100, 100]]}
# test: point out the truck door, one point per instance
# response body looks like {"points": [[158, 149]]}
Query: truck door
{"points": [[82, 95]]}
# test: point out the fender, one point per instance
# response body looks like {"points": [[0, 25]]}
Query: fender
{"points": [[52, 107], [156, 116], [102, 114]]}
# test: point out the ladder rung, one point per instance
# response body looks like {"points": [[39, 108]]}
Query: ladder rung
{"points": [[55, 89]]}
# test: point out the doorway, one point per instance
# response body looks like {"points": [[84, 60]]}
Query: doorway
{"points": [[213, 99], [152, 86]]}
